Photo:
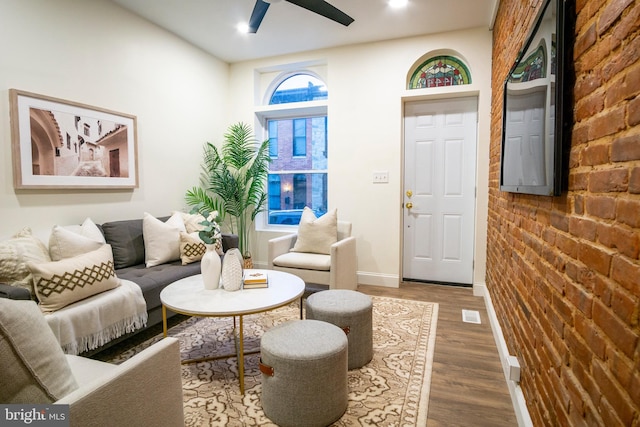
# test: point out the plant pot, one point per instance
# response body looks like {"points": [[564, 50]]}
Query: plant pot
{"points": [[247, 261]]}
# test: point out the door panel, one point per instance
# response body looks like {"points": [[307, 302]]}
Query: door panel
{"points": [[440, 162]]}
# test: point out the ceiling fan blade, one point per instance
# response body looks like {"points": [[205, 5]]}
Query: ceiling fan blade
{"points": [[323, 8], [259, 10]]}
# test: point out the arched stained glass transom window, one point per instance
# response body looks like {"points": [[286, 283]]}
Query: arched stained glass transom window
{"points": [[440, 71], [299, 88], [532, 67]]}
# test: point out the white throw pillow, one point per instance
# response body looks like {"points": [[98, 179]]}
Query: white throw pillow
{"points": [[60, 283], [316, 235], [161, 239], [70, 241], [191, 221], [15, 253]]}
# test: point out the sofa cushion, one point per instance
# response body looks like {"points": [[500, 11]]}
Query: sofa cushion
{"points": [[60, 283], [33, 370], [306, 261], [161, 239], [153, 280], [316, 235], [15, 253], [127, 244], [70, 241]]}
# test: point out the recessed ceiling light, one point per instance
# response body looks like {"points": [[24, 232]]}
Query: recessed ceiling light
{"points": [[243, 27], [398, 3]]}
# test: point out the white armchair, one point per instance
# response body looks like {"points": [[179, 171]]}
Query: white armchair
{"points": [[142, 391], [338, 269]]}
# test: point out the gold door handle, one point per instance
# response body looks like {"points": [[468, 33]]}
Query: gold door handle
{"points": [[408, 205]]}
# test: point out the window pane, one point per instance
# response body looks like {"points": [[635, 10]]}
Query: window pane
{"points": [[299, 88], [300, 137], [274, 192], [298, 181], [297, 191], [273, 139]]}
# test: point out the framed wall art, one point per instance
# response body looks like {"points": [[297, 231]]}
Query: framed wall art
{"points": [[62, 144]]}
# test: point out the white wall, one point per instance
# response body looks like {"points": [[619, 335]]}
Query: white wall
{"points": [[95, 52], [367, 90]]}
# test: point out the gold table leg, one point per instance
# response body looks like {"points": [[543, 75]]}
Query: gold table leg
{"points": [[164, 320], [241, 356]]}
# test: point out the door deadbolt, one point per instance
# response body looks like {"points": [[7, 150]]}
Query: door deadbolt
{"points": [[409, 193]]}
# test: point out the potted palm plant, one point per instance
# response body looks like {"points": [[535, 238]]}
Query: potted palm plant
{"points": [[233, 182]]}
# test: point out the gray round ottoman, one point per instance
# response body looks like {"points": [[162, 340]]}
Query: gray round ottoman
{"points": [[352, 311], [304, 367]]}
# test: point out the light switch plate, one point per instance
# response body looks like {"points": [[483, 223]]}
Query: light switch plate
{"points": [[380, 177]]}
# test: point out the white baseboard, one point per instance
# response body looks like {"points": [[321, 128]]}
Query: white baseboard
{"points": [[364, 278], [377, 279], [517, 396]]}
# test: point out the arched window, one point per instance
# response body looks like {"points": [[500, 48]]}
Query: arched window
{"points": [[297, 135], [532, 67], [299, 88], [440, 71]]}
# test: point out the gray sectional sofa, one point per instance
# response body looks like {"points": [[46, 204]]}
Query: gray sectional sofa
{"points": [[125, 238], [127, 244]]}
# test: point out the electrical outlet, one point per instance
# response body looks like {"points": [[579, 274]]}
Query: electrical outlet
{"points": [[380, 177]]}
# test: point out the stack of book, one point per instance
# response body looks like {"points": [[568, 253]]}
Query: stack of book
{"points": [[255, 279]]}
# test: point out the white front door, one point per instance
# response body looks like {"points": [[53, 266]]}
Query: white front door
{"points": [[439, 184]]}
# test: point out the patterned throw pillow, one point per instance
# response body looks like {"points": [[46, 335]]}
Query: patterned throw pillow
{"points": [[316, 235], [191, 248], [15, 253], [60, 283]]}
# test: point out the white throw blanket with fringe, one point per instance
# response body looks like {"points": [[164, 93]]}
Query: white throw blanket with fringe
{"points": [[96, 320]]}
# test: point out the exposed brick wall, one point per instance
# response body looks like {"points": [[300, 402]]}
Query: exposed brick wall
{"points": [[564, 272]]}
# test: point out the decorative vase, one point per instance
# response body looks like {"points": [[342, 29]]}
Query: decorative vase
{"points": [[232, 270], [210, 267]]}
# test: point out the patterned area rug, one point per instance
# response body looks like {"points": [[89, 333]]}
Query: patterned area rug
{"points": [[391, 390]]}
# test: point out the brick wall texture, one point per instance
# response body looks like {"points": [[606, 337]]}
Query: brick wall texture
{"points": [[564, 272]]}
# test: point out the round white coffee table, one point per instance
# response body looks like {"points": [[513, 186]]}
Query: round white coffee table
{"points": [[188, 296]]}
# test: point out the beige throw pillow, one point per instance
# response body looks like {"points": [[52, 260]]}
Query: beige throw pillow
{"points": [[316, 235], [191, 247], [60, 283], [191, 221], [15, 253], [70, 241], [161, 239], [33, 370]]}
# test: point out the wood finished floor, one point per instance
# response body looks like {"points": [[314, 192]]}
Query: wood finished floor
{"points": [[467, 384]]}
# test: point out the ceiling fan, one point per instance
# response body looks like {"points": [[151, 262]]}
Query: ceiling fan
{"points": [[320, 7]]}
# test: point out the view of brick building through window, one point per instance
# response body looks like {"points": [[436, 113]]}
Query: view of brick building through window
{"points": [[298, 149]]}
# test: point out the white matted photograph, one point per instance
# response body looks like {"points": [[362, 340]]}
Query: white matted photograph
{"points": [[63, 144]]}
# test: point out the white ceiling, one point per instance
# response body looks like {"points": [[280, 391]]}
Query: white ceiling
{"points": [[287, 28]]}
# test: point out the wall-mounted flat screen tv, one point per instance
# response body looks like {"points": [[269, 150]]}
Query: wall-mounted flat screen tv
{"points": [[537, 114]]}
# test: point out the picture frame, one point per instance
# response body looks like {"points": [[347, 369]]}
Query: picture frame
{"points": [[60, 144]]}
